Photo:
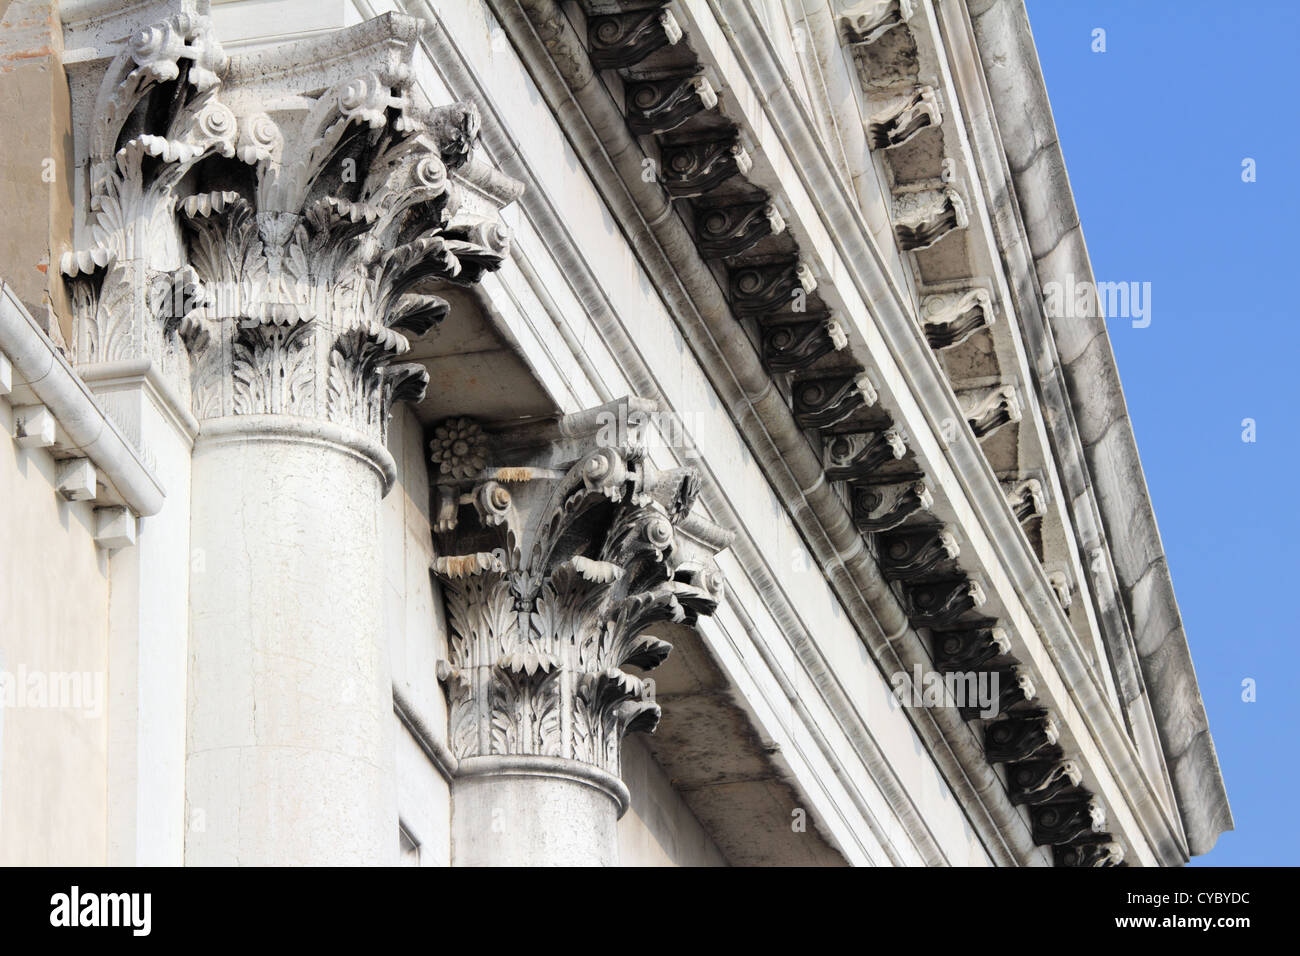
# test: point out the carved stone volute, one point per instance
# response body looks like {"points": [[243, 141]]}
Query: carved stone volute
{"points": [[275, 234], [555, 556]]}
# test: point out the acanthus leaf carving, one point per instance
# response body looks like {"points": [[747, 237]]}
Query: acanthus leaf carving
{"points": [[553, 572], [271, 368], [1015, 689], [317, 221]]}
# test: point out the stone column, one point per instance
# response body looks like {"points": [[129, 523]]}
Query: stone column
{"points": [[557, 546], [283, 213], [290, 750]]}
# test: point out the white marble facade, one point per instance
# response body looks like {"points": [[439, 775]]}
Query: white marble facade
{"points": [[601, 432]]}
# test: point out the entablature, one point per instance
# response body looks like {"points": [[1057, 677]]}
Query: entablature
{"points": [[773, 193]]}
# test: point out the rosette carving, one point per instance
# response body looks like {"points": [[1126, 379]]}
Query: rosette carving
{"points": [[458, 450]]}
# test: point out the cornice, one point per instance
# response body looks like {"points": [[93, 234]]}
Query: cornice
{"points": [[1074, 687], [66, 400], [1077, 690], [764, 416], [1043, 609], [678, 288], [1081, 363]]}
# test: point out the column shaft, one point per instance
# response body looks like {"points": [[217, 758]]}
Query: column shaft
{"points": [[290, 738]]}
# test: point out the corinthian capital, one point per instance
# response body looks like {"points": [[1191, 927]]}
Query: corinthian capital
{"points": [[556, 554], [275, 224]]}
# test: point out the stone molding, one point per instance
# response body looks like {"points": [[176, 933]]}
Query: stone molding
{"points": [[935, 206], [73, 424], [1100, 462]]}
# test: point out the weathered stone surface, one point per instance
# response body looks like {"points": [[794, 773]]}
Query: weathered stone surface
{"points": [[825, 282]]}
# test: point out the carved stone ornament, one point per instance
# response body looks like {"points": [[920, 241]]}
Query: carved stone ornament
{"points": [[940, 603], [1061, 587], [1099, 852], [869, 20], [951, 318], [723, 231], [620, 40], [657, 106], [1014, 689], [1056, 823], [903, 116], [270, 236], [772, 287], [821, 402], [879, 507], [970, 649], [789, 346], [987, 411], [1019, 737], [554, 562], [697, 167], [1042, 781], [924, 216], [1027, 499], [908, 554], [859, 455]]}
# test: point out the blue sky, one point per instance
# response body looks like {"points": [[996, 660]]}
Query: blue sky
{"points": [[1154, 132]]}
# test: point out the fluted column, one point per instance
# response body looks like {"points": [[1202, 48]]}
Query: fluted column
{"points": [[296, 203], [557, 546]]}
